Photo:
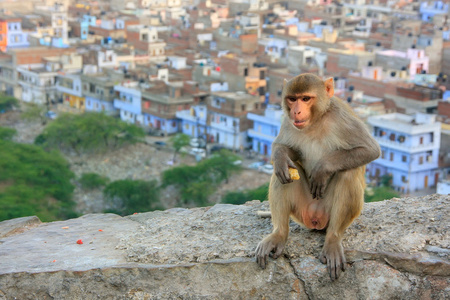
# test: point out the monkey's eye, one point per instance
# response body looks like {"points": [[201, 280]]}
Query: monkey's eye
{"points": [[306, 98], [291, 99]]}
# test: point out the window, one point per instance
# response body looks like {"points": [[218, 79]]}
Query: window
{"points": [[383, 154], [262, 91], [391, 156], [421, 140], [243, 107], [174, 124], [404, 159], [404, 179], [262, 75], [429, 156], [392, 137], [256, 106], [401, 139], [421, 160]]}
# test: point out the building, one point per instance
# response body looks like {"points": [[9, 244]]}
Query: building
{"points": [[227, 118], [11, 33], [128, 98], [409, 150], [160, 104], [265, 128], [98, 90]]}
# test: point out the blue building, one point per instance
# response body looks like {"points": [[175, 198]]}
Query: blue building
{"points": [[193, 121], [16, 38], [99, 92], [127, 100], [430, 9], [410, 150], [227, 118], [265, 129], [160, 104]]}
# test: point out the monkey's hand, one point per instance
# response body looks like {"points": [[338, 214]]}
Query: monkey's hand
{"points": [[272, 245], [281, 164], [318, 180]]}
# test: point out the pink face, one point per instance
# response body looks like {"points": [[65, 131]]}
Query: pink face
{"points": [[300, 108]]}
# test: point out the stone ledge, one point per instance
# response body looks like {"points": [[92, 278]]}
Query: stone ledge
{"points": [[396, 249]]}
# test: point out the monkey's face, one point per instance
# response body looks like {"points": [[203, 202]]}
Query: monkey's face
{"points": [[299, 106]]}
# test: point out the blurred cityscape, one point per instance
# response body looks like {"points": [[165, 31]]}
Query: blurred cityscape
{"points": [[214, 70]]}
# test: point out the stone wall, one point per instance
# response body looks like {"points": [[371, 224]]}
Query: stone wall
{"points": [[397, 249]]}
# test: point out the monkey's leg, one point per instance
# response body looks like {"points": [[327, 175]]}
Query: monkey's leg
{"points": [[344, 200], [280, 207]]}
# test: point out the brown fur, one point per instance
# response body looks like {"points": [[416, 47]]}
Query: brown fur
{"points": [[330, 153]]}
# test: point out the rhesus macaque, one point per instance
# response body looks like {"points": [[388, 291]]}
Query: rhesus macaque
{"points": [[330, 146]]}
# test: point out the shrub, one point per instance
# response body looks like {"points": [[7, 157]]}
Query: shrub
{"points": [[89, 132], [130, 196], [34, 182], [7, 133], [91, 181], [259, 193], [7, 103]]}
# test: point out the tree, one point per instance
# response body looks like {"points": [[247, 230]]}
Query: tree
{"points": [[89, 132], [7, 133], [222, 164], [34, 112], [197, 183], [259, 193], [7, 103], [89, 181], [380, 194], [179, 141], [130, 196], [34, 182]]}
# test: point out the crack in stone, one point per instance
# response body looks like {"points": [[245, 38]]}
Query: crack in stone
{"points": [[297, 275]]}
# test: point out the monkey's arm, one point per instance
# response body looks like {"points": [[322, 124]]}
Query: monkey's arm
{"points": [[365, 150], [283, 158]]}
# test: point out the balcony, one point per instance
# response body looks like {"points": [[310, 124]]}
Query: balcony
{"points": [[187, 116], [400, 147], [126, 106], [265, 137]]}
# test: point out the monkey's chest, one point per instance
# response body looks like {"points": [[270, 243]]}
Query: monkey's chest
{"points": [[313, 152]]}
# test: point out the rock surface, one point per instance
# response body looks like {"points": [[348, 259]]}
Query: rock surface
{"points": [[397, 249]]}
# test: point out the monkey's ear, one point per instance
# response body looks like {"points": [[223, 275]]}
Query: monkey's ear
{"points": [[329, 87], [284, 82]]}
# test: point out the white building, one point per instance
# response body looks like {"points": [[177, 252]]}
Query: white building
{"points": [[410, 150]]}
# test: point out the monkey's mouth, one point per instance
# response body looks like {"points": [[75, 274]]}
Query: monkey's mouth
{"points": [[299, 123]]}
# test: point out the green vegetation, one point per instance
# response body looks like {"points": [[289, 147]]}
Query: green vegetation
{"points": [[383, 192], [7, 134], [130, 196], [198, 182], [379, 194], [179, 141], [89, 132], [7, 103], [259, 193], [34, 182], [34, 112], [89, 181]]}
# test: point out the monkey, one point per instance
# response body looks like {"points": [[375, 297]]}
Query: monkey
{"points": [[329, 145]]}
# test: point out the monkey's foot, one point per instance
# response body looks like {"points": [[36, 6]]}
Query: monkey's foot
{"points": [[272, 245], [333, 255]]}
